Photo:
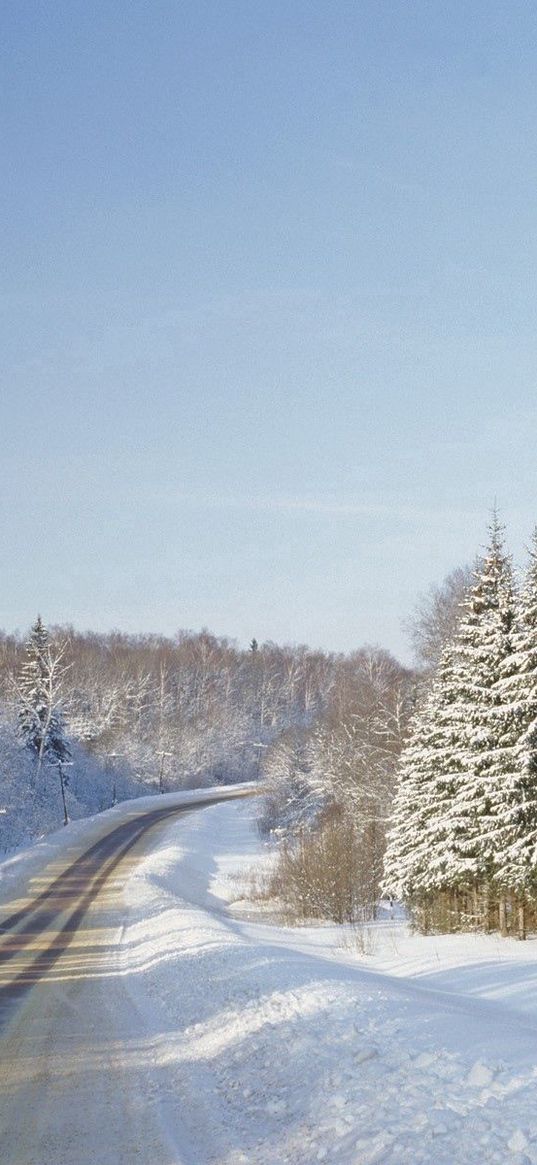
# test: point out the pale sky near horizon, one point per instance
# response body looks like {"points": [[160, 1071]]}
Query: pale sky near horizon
{"points": [[268, 309]]}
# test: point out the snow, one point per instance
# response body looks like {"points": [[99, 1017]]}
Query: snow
{"points": [[228, 1041]]}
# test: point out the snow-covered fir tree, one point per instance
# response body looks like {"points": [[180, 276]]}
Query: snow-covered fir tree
{"points": [[405, 862], [40, 720], [421, 842], [515, 829], [451, 799], [481, 650]]}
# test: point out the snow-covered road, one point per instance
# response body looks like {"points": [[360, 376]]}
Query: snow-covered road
{"points": [[70, 1089], [173, 1031]]}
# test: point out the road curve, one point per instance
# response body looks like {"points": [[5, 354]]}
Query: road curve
{"points": [[35, 936], [59, 988]]}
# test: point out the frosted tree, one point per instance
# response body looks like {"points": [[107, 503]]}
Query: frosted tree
{"points": [[435, 618], [39, 689], [513, 832], [404, 866], [483, 646], [290, 797], [422, 839], [451, 793]]}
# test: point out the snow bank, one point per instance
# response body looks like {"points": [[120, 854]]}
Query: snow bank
{"points": [[276, 1046], [56, 850]]}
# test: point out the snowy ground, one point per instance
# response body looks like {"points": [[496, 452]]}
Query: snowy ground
{"points": [[241, 1043]]}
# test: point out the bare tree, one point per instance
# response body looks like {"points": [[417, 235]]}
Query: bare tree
{"points": [[436, 615]]}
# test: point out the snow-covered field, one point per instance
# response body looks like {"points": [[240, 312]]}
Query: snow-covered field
{"points": [[249, 1044]]}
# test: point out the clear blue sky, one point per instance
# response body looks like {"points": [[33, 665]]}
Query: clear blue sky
{"points": [[269, 309]]}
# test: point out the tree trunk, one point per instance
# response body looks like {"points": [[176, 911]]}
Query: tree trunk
{"points": [[502, 912], [521, 920], [62, 784], [486, 908], [454, 910], [475, 906], [42, 743]]}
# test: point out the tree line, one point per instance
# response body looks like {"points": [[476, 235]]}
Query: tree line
{"points": [[133, 714]]}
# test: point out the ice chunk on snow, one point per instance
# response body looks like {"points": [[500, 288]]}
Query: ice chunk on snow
{"points": [[364, 1054], [480, 1075], [518, 1142]]}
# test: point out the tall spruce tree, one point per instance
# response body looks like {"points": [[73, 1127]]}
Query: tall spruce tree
{"points": [[421, 842], [450, 799], [405, 863], [482, 648], [40, 720], [515, 833]]}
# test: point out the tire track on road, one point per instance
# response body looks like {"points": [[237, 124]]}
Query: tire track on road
{"points": [[74, 889]]}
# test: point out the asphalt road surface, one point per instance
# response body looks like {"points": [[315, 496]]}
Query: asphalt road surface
{"points": [[70, 1083]]}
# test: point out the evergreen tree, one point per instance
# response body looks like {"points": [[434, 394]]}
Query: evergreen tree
{"points": [[482, 647], [515, 834], [40, 720], [421, 842], [451, 797], [404, 861]]}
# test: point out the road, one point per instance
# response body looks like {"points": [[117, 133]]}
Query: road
{"points": [[61, 990]]}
